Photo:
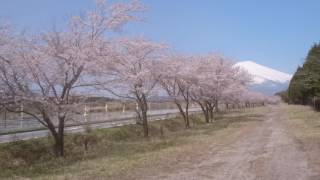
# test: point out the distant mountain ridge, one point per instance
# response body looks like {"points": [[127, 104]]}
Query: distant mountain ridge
{"points": [[265, 79]]}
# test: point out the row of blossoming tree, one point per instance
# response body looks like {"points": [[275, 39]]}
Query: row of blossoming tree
{"points": [[51, 72]]}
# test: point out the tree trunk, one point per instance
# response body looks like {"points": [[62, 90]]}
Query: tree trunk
{"points": [[216, 104], [187, 116], [205, 112], [60, 147], [210, 107], [55, 135], [58, 142], [183, 114], [211, 114], [143, 107], [145, 123]]}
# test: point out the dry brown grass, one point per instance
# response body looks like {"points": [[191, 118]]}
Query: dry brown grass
{"points": [[122, 152], [304, 123]]}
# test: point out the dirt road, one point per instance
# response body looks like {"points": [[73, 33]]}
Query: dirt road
{"points": [[265, 151]]}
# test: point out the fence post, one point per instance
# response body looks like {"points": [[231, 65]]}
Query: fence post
{"points": [[21, 116], [5, 118], [85, 114], [123, 108], [106, 107]]}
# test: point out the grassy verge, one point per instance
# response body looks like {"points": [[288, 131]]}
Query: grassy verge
{"points": [[111, 152], [303, 120], [304, 123]]}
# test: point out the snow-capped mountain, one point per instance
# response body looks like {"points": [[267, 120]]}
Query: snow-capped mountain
{"points": [[265, 79]]}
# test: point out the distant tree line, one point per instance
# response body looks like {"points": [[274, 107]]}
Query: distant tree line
{"points": [[304, 87]]}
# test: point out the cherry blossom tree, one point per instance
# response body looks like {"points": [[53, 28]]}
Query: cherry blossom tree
{"points": [[205, 92], [45, 72], [201, 91], [130, 73], [217, 81], [238, 86], [177, 77]]}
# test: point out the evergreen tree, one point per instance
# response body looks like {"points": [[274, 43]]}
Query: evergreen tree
{"points": [[312, 69], [305, 84], [297, 92]]}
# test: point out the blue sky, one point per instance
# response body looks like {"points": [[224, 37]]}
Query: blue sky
{"points": [[275, 33]]}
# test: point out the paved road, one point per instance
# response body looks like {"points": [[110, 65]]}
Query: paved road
{"points": [[265, 151], [110, 121]]}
